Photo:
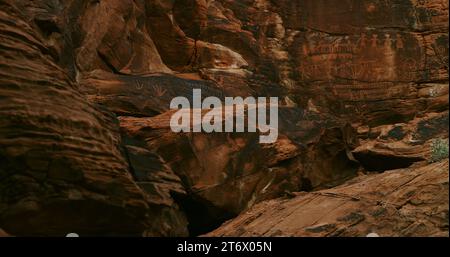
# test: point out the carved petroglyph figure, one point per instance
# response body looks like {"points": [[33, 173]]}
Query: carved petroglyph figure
{"points": [[388, 41], [362, 41], [305, 50], [375, 56], [345, 45], [399, 42], [139, 85], [374, 41], [159, 91]]}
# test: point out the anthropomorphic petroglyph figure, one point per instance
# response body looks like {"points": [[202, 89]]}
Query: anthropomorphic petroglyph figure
{"points": [[305, 50], [399, 42], [374, 41], [387, 41], [362, 42]]}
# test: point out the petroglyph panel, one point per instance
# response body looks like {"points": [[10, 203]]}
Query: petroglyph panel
{"points": [[370, 56]]}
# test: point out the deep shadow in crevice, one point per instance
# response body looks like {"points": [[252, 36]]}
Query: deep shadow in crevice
{"points": [[203, 217], [47, 27], [379, 163], [306, 185], [108, 64]]}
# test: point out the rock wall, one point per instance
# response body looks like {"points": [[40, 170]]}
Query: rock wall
{"points": [[86, 87], [62, 164]]}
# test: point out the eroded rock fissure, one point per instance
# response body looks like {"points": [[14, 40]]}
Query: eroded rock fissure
{"points": [[203, 217]]}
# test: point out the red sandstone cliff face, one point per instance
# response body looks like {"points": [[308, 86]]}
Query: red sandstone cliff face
{"points": [[86, 87], [61, 156]]}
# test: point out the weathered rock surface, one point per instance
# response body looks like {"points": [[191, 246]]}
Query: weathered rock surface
{"points": [[369, 62], [141, 96], [229, 172], [362, 85], [88, 35], [402, 144], [405, 202], [62, 168]]}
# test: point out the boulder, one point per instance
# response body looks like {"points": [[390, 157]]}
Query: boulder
{"points": [[404, 202]]}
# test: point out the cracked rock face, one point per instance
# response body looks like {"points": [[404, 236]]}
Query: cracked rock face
{"points": [[405, 202], [85, 142], [62, 166]]}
